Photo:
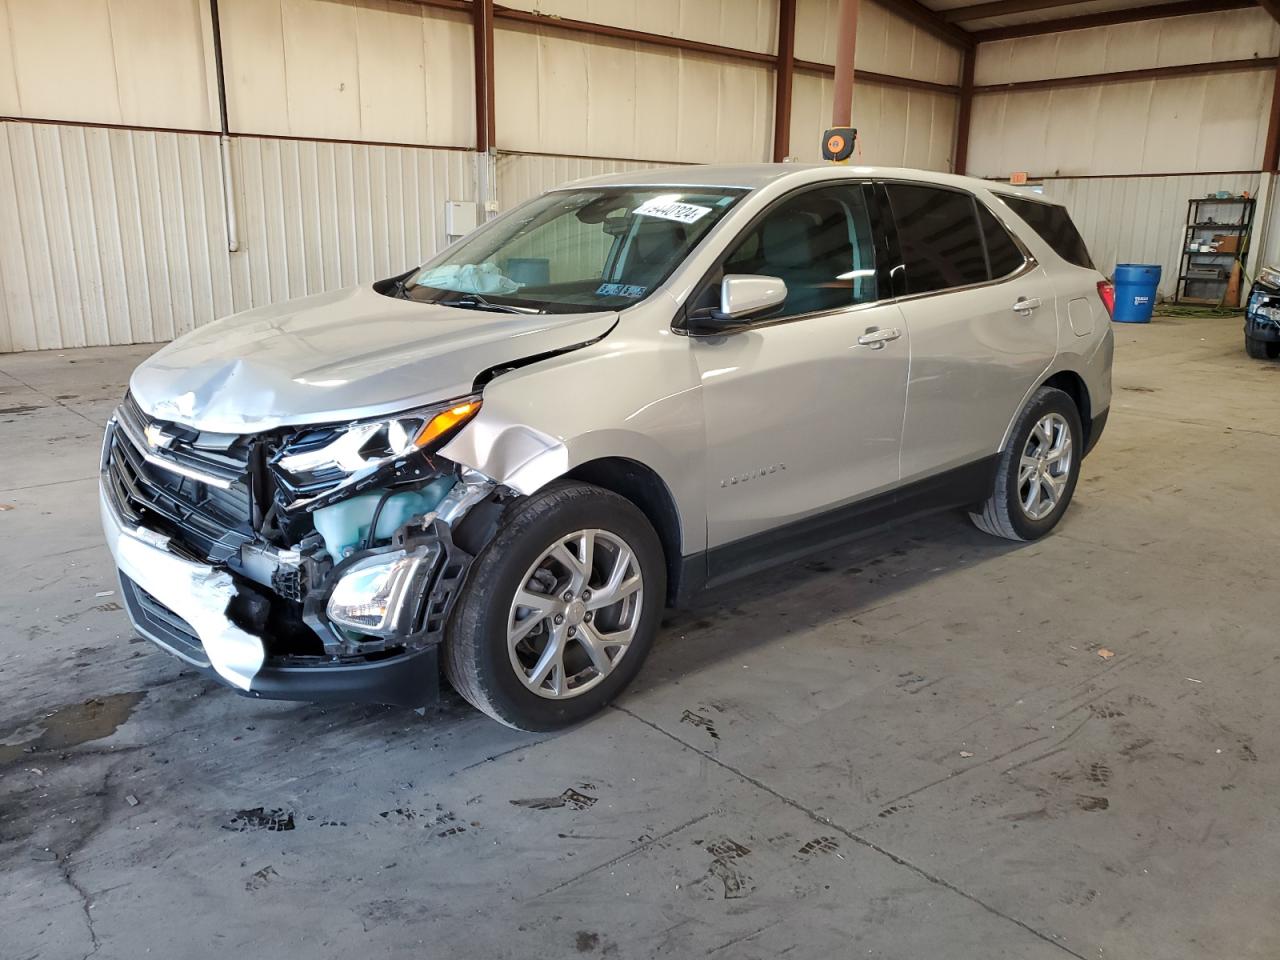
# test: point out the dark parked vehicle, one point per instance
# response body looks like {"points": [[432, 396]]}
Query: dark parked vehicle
{"points": [[1262, 316]]}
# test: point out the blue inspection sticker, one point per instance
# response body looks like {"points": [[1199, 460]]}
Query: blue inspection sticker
{"points": [[629, 290]]}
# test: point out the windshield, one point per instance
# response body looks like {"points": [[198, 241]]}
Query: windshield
{"points": [[574, 250]]}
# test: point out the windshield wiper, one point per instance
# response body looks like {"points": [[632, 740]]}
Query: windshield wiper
{"points": [[473, 301]]}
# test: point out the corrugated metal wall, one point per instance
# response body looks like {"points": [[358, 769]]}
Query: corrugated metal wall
{"points": [[612, 98], [886, 43], [1174, 125], [522, 176], [1139, 219], [378, 70], [896, 127], [119, 235], [1230, 35], [1205, 123], [145, 62], [746, 24]]}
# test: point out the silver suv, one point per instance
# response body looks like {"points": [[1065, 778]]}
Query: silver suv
{"points": [[505, 464]]}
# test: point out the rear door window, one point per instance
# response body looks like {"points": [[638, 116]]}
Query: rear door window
{"points": [[939, 237], [1002, 253], [1055, 228]]}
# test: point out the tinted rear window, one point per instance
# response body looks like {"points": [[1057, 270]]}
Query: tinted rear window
{"points": [[1002, 252], [1054, 225], [938, 236]]}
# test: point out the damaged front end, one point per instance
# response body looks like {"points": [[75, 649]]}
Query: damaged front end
{"points": [[304, 563]]}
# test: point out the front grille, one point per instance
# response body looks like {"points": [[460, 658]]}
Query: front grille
{"points": [[160, 486], [162, 625]]}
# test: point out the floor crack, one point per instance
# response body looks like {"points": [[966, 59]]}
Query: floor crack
{"points": [[856, 837]]}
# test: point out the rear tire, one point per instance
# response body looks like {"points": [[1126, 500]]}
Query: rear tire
{"points": [[496, 647], [1261, 349], [1037, 472]]}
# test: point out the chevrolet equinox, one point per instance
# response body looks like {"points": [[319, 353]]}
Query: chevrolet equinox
{"points": [[504, 464]]}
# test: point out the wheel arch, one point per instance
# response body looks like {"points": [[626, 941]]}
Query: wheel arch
{"points": [[1073, 385], [648, 492]]}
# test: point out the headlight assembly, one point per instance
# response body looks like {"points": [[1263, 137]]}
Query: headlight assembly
{"points": [[320, 459]]}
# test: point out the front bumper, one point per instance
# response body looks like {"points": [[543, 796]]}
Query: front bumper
{"points": [[181, 606]]}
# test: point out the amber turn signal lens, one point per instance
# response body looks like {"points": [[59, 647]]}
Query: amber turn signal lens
{"points": [[446, 420]]}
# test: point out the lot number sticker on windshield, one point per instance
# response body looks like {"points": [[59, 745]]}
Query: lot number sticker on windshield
{"points": [[667, 209]]}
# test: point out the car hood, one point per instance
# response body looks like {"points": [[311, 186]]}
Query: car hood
{"points": [[340, 356]]}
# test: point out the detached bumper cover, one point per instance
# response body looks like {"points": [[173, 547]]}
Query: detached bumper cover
{"points": [[181, 606], [196, 593]]}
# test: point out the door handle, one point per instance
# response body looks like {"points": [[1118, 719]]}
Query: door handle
{"points": [[1025, 305], [876, 339]]}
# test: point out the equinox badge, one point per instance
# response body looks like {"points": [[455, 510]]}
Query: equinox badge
{"points": [[752, 474]]}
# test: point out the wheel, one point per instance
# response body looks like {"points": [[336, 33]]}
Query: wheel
{"points": [[1037, 471], [560, 609], [1261, 349]]}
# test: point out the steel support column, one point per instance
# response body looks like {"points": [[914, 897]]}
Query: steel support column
{"points": [[846, 42], [783, 78]]}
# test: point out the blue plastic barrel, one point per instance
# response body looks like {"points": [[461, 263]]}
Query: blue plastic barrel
{"points": [[1136, 285]]}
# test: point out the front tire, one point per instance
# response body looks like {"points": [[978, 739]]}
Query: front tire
{"points": [[1261, 349], [1037, 472], [560, 609]]}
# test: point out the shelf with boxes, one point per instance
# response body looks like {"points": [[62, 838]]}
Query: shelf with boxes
{"points": [[1215, 249]]}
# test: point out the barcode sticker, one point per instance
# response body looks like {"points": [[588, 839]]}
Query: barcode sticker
{"points": [[666, 208]]}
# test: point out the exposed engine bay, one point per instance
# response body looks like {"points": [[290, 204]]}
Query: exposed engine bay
{"points": [[345, 544]]}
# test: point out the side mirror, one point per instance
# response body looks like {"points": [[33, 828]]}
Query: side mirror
{"points": [[743, 298]]}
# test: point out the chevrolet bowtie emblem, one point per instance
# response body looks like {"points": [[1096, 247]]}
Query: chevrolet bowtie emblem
{"points": [[156, 437]]}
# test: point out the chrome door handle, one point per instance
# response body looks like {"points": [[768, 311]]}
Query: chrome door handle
{"points": [[1025, 305], [876, 339]]}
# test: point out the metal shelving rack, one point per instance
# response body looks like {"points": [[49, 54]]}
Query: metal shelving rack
{"points": [[1207, 272]]}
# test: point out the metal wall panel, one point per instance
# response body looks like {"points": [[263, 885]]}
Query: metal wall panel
{"points": [[141, 62], [1202, 38], [886, 43], [522, 176], [1139, 219], [1212, 122], [380, 70], [1174, 125], [121, 238], [746, 24], [896, 127], [559, 94]]}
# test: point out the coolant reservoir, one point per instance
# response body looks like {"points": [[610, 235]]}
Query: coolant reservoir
{"points": [[344, 526]]}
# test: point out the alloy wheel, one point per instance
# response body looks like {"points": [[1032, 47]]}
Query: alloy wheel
{"points": [[1045, 466], [575, 614]]}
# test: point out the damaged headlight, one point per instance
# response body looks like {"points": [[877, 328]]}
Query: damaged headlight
{"points": [[377, 595], [325, 457]]}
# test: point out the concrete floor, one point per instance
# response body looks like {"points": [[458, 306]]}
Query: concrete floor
{"points": [[914, 747]]}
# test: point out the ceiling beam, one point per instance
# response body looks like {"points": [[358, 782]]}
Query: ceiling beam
{"points": [[883, 79], [512, 15], [1131, 76], [929, 21], [1180, 8], [1000, 8]]}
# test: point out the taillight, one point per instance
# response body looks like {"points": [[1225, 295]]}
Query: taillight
{"points": [[1107, 293]]}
